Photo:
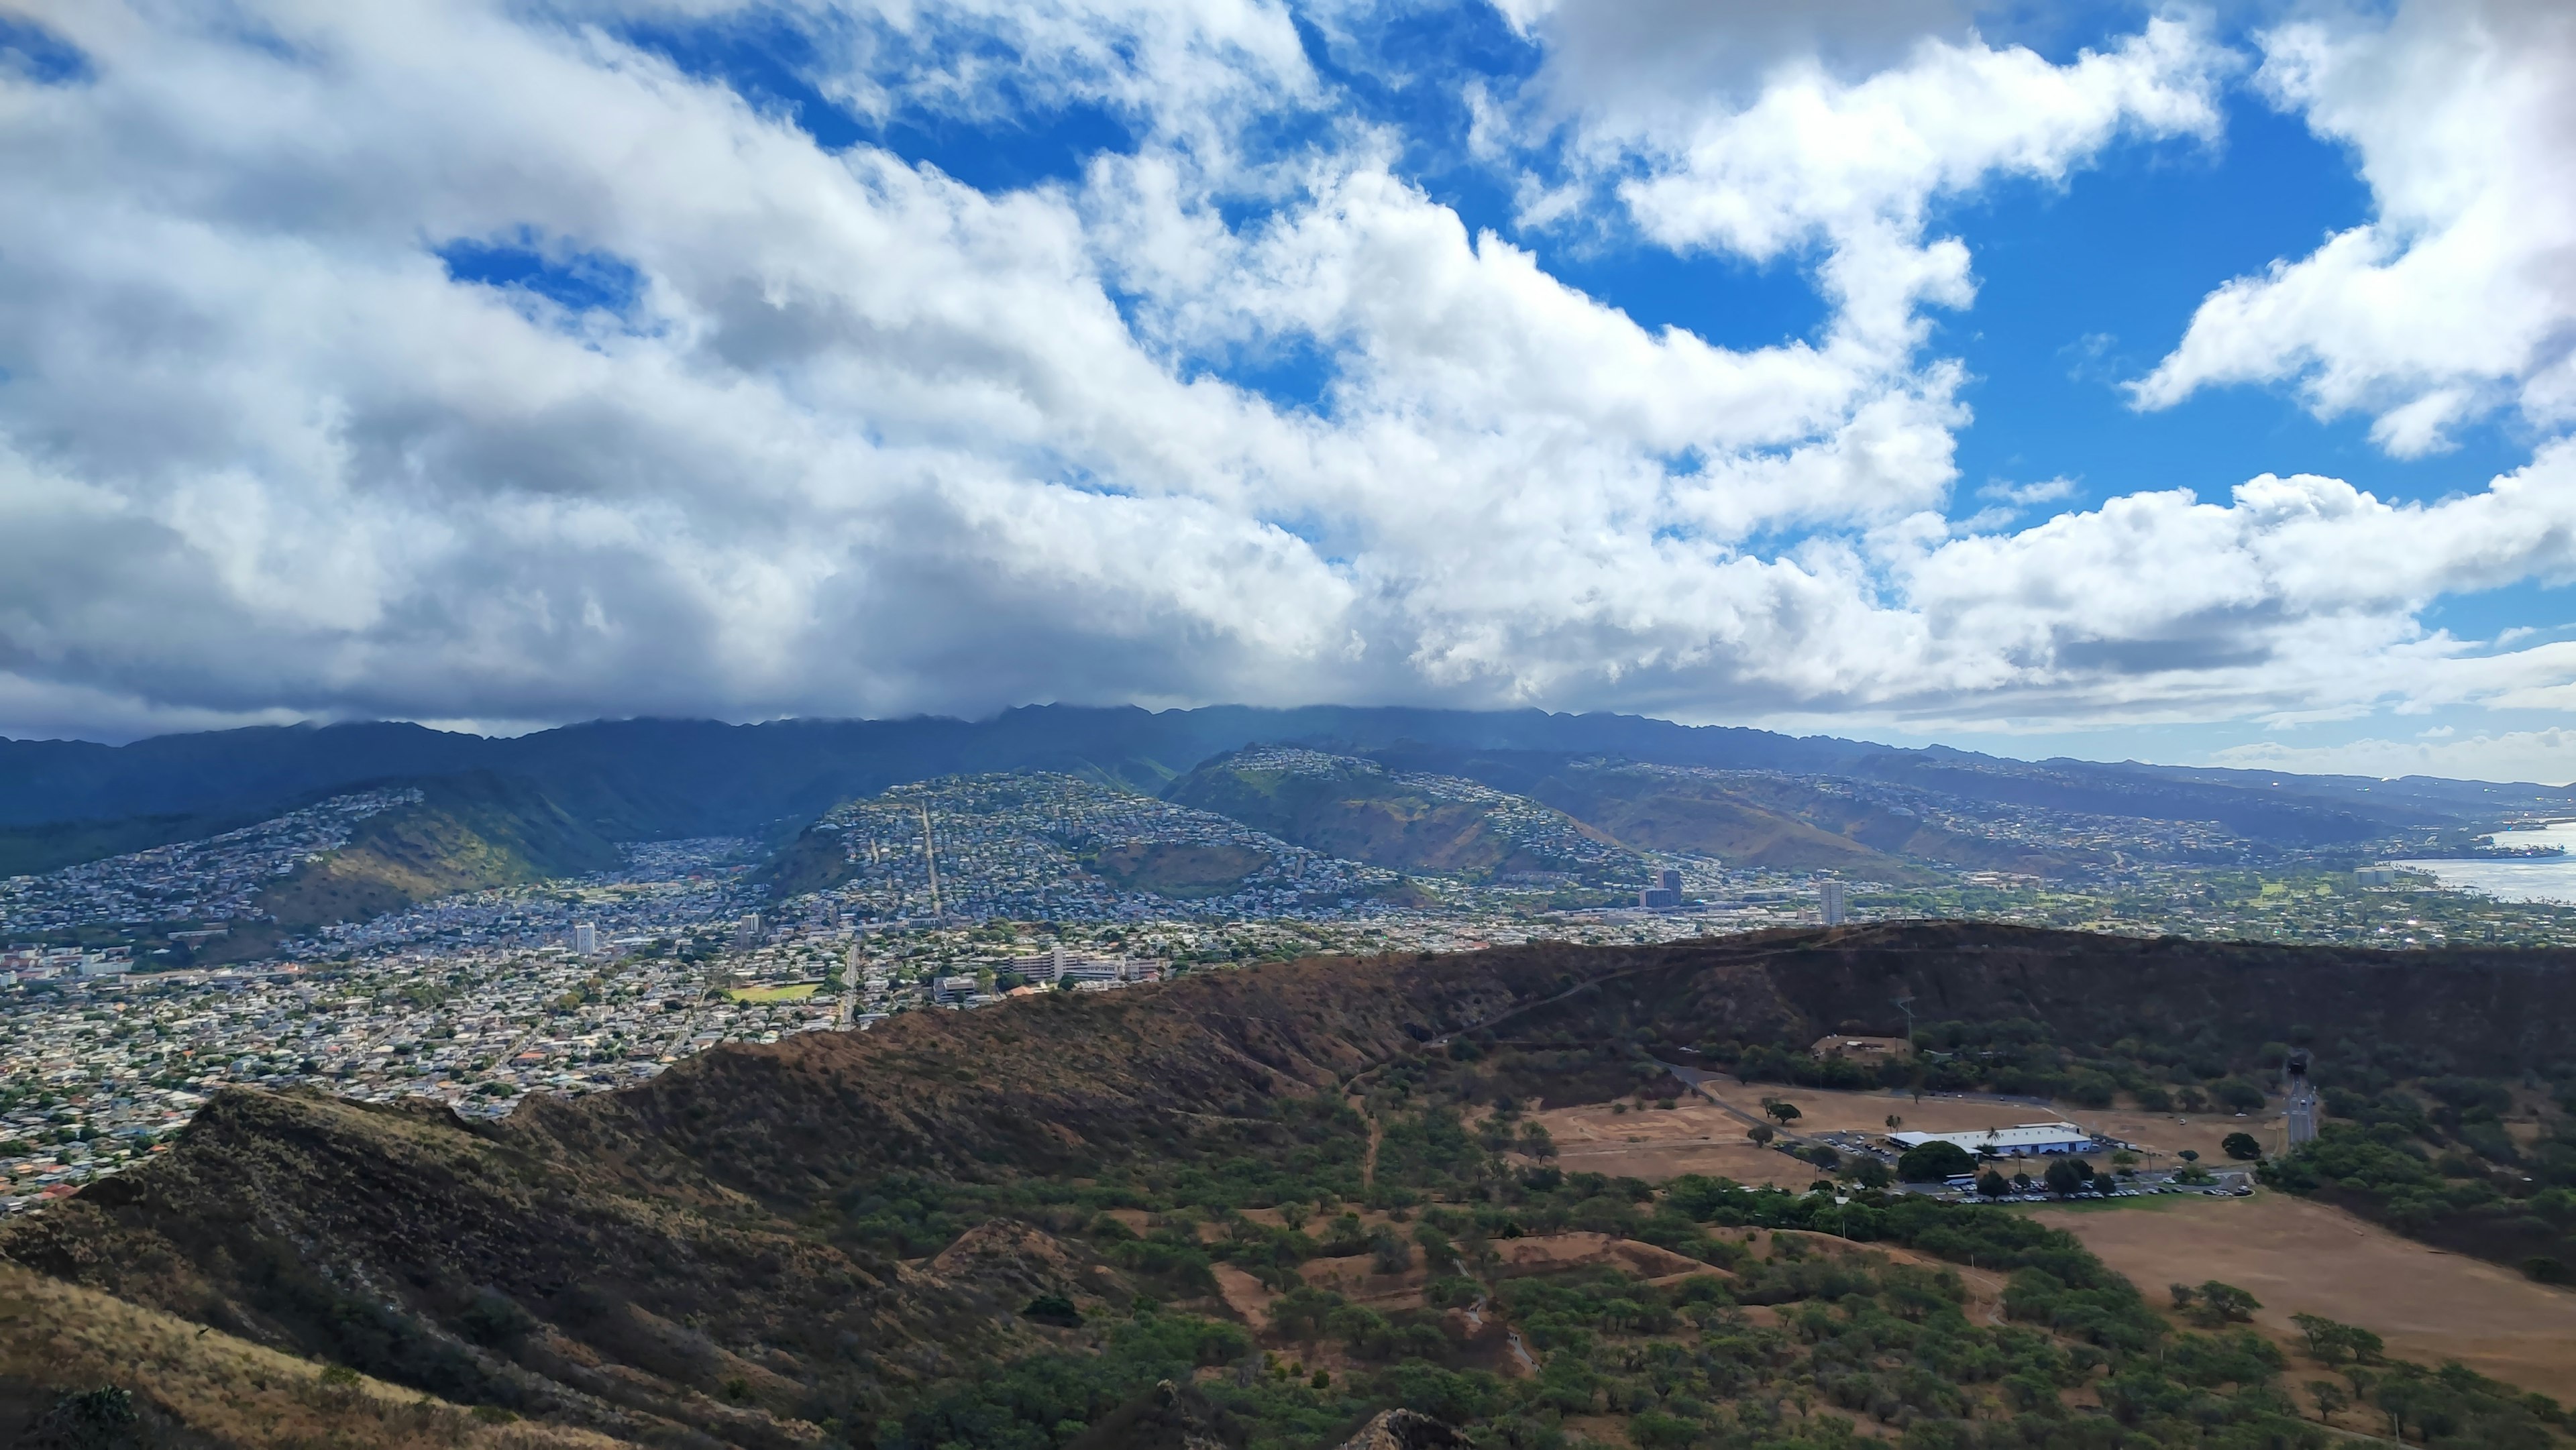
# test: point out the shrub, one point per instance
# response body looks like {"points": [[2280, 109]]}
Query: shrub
{"points": [[1053, 1309]]}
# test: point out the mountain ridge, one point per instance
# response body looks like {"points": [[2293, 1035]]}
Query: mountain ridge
{"points": [[659, 777], [697, 1253]]}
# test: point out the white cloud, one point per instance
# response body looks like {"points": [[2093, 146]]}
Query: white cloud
{"points": [[871, 441], [2047, 490], [2459, 296], [1855, 165]]}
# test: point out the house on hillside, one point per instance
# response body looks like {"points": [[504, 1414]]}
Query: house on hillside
{"points": [[1862, 1050]]}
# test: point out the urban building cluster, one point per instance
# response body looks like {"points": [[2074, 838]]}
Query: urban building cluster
{"points": [[215, 879], [966, 893], [662, 886], [2296, 900], [1048, 847]]}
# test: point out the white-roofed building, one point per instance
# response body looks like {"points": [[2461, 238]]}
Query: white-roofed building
{"points": [[2023, 1140]]}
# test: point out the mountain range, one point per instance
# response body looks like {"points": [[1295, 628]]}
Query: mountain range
{"points": [[67, 801]]}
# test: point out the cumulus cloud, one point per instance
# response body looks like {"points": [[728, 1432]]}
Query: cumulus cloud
{"points": [[2459, 296], [456, 361], [1851, 166]]}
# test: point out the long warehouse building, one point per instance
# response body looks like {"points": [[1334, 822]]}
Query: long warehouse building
{"points": [[2025, 1140]]}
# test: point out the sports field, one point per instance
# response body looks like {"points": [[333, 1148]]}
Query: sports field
{"points": [[784, 992]]}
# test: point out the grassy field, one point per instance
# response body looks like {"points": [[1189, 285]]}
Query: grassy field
{"points": [[1657, 1144], [784, 992], [2305, 1258]]}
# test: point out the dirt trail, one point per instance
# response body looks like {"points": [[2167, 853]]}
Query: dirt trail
{"points": [[1377, 1134], [1511, 1337], [1247, 1296]]}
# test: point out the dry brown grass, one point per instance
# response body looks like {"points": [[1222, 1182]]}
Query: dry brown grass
{"points": [[62, 1336], [1659, 1143], [2306, 1258]]}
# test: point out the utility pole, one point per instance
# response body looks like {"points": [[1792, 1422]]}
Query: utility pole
{"points": [[930, 854]]}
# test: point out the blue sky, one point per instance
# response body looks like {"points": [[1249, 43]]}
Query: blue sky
{"points": [[1829, 369]]}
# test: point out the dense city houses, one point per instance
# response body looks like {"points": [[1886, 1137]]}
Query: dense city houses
{"points": [[953, 894], [210, 880]]}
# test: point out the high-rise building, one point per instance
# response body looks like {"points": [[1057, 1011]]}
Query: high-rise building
{"points": [[1829, 901], [585, 938], [1672, 881]]}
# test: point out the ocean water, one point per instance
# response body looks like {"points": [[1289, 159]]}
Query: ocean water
{"points": [[2547, 879]]}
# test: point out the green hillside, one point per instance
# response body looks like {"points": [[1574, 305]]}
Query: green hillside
{"points": [[816, 860], [1358, 811], [467, 833]]}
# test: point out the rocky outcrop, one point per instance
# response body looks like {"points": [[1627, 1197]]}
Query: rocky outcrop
{"points": [[1404, 1430]]}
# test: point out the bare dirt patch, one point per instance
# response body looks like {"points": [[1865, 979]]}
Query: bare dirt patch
{"points": [[1657, 1143], [1247, 1296], [1575, 1250], [1357, 1279], [2167, 1134], [2301, 1257]]}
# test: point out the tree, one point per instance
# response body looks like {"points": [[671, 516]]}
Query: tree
{"points": [[2237, 1095], [2330, 1398], [2241, 1146], [1761, 1134], [1870, 1173], [1393, 1254], [1933, 1161], [1894, 1122], [2189, 1155], [2217, 1305], [1787, 1113], [1536, 1142], [2066, 1177], [2332, 1343], [1993, 1185]]}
